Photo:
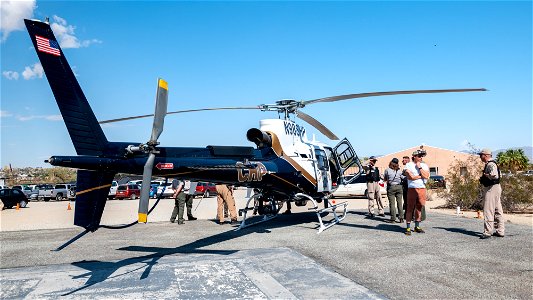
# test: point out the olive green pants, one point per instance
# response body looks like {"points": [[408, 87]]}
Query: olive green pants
{"points": [[180, 202], [395, 195]]}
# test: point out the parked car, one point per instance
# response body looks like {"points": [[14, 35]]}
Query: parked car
{"points": [[357, 188], [61, 191], [72, 193], [437, 181], [137, 182], [44, 192], [153, 190], [528, 173], [27, 190], [166, 189], [112, 190], [206, 188], [12, 197], [130, 191]]}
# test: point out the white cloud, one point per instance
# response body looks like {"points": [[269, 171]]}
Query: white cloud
{"points": [[54, 118], [43, 117], [12, 15], [33, 72], [4, 113], [66, 37], [11, 75]]}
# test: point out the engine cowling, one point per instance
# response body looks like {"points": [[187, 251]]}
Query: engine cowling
{"points": [[259, 137]]}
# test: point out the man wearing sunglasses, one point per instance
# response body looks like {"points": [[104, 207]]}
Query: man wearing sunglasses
{"points": [[417, 174], [492, 191]]}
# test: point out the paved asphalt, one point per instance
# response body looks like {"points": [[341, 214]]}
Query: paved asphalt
{"points": [[282, 258]]}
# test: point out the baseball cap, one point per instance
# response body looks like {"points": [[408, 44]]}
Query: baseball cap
{"points": [[372, 158], [485, 151], [395, 160]]}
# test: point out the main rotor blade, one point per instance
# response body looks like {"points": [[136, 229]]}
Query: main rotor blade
{"points": [[161, 102], [178, 112], [374, 94], [145, 189], [313, 122]]}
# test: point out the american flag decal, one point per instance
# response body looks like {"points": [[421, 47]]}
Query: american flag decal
{"points": [[47, 45]]}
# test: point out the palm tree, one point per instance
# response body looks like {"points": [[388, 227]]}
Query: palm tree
{"points": [[513, 160]]}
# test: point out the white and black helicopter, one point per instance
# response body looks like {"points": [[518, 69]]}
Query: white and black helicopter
{"points": [[283, 167]]}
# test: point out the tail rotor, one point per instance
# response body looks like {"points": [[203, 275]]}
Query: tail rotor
{"points": [[150, 147]]}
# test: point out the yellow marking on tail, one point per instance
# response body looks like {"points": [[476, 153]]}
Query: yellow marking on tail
{"points": [[163, 84], [143, 218]]}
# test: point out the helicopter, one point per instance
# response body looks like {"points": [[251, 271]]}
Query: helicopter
{"points": [[283, 167]]}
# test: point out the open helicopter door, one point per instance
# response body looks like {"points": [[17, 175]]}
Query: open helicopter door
{"points": [[347, 158], [323, 176]]}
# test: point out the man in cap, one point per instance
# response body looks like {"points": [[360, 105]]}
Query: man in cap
{"points": [[417, 174], [492, 191], [372, 187]]}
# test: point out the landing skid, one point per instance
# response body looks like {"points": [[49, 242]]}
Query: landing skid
{"points": [[329, 208], [323, 225], [247, 208]]}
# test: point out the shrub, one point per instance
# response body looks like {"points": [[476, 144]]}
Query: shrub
{"points": [[466, 192], [516, 192]]}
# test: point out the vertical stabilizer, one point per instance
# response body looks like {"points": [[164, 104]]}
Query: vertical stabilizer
{"points": [[82, 125], [92, 188]]}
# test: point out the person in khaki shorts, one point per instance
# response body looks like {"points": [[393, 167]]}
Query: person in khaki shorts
{"points": [[224, 194], [372, 187], [492, 191]]}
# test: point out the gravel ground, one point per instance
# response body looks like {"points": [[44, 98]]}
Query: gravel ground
{"points": [[449, 261]]}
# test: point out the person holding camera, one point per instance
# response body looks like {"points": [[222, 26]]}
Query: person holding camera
{"points": [[492, 192], [392, 176], [372, 187], [417, 174]]}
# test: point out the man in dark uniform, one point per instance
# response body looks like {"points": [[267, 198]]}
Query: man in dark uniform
{"points": [[372, 187]]}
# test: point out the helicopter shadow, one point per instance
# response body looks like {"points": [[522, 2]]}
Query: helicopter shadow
{"points": [[100, 271]]}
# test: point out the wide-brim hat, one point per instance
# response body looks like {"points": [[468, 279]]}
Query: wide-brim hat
{"points": [[419, 152]]}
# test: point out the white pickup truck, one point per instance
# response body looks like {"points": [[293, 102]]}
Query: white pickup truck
{"points": [[44, 192], [112, 190], [61, 191]]}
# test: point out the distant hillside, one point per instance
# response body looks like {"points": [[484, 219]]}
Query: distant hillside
{"points": [[528, 150]]}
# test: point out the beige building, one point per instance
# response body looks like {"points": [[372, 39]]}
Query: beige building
{"points": [[437, 159]]}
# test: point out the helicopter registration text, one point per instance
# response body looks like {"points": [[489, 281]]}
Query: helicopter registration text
{"points": [[293, 129]]}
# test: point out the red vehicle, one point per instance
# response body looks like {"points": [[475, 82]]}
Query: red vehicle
{"points": [[205, 188], [130, 191]]}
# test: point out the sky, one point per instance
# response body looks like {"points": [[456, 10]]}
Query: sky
{"points": [[217, 54]]}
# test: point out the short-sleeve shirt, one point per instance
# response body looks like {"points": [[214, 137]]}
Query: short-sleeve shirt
{"points": [[492, 170], [418, 183], [176, 184], [393, 177]]}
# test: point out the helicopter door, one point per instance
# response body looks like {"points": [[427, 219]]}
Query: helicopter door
{"points": [[347, 158], [323, 177]]}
